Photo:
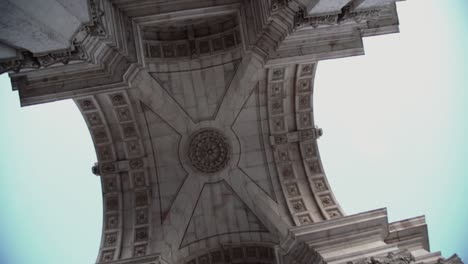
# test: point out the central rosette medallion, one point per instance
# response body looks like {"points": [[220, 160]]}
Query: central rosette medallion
{"points": [[209, 150]]}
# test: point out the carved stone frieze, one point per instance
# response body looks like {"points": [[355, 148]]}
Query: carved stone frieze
{"points": [[347, 15], [302, 20], [193, 48], [400, 257], [251, 253], [76, 52], [30, 61], [122, 104], [293, 135]]}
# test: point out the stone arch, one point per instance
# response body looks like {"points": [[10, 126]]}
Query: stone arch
{"points": [[123, 170], [294, 142], [262, 60]]}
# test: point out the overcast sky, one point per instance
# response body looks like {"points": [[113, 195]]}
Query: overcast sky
{"points": [[394, 126]]}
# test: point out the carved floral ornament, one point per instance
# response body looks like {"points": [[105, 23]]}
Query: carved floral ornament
{"points": [[209, 150]]}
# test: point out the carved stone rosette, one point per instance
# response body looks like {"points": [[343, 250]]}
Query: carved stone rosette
{"points": [[209, 151]]}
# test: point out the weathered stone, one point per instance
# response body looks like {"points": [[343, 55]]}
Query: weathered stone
{"points": [[176, 90]]}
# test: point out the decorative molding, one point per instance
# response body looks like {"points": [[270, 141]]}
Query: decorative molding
{"points": [[302, 20], [153, 259], [121, 104], [300, 253], [276, 5], [75, 53], [293, 137], [107, 168], [454, 259], [346, 15], [282, 141], [232, 253], [125, 137], [399, 257], [28, 60], [307, 138], [96, 26], [193, 48]]}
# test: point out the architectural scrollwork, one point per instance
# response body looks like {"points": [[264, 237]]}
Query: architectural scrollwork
{"points": [[400, 257], [347, 15], [302, 20], [29, 61]]}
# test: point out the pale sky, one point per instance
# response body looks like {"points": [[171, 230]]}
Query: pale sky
{"points": [[394, 136]]}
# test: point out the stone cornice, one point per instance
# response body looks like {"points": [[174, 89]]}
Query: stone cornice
{"points": [[346, 15], [454, 259], [399, 257], [154, 259], [75, 53], [107, 54], [294, 250]]}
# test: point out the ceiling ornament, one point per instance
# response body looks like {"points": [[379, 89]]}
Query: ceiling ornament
{"points": [[209, 150]]}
